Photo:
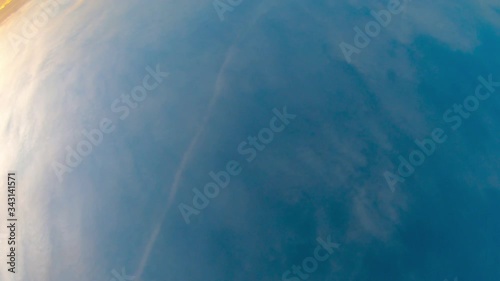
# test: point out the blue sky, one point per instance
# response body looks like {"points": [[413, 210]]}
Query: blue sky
{"points": [[321, 176]]}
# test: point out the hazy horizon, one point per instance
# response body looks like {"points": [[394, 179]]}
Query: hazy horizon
{"points": [[11, 8]]}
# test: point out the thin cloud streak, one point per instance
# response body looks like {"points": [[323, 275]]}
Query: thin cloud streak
{"points": [[182, 167]]}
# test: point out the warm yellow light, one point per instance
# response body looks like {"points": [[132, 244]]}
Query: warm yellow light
{"points": [[5, 4]]}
